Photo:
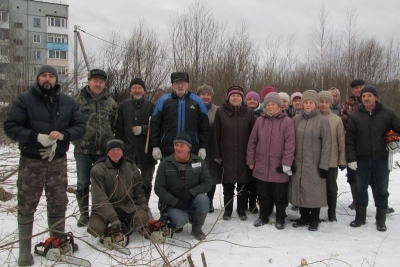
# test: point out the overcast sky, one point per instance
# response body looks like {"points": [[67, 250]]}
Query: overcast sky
{"points": [[264, 17]]}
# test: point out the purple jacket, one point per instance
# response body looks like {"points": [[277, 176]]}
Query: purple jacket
{"points": [[271, 144]]}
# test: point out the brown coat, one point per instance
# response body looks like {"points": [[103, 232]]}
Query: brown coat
{"points": [[313, 152], [232, 129], [214, 168]]}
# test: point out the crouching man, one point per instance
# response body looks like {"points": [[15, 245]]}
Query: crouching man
{"points": [[117, 195], [182, 182]]}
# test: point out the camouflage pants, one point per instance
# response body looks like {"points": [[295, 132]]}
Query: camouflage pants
{"points": [[36, 174]]}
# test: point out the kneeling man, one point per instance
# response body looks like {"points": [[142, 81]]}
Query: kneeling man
{"points": [[182, 182]]}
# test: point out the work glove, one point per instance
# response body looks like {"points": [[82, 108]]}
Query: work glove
{"points": [[352, 165], [181, 205], [45, 140], [185, 196], [202, 153], [341, 167], [219, 161], [323, 173], [287, 170], [136, 130], [48, 152], [156, 153]]}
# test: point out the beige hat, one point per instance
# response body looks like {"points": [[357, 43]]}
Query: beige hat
{"points": [[325, 95], [274, 98], [310, 95], [205, 88], [284, 96]]}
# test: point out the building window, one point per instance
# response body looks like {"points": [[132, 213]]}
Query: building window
{"points": [[57, 22], [36, 22], [35, 71], [18, 58], [18, 75], [57, 54], [61, 70], [4, 34], [3, 16], [36, 38], [4, 50], [17, 42], [36, 54], [18, 25], [57, 38]]}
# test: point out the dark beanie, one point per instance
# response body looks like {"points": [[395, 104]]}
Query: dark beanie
{"points": [[137, 81], [97, 73], [369, 89], [114, 143], [47, 68], [183, 138], [356, 82]]}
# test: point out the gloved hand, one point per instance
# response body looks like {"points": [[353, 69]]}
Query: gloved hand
{"points": [[323, 173], [219, 161], [116, 225], [52, 151], [181, 205], [352, 165], [136, 130], [185, 196], [45, 152], [202, 153], [156, 153], [341, 167], [287, 170], [45, 140]]}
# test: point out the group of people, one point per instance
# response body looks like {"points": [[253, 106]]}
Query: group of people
{"points": [[271, 148]]}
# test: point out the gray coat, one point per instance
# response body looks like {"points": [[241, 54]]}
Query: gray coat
{"points": [[313, 152], [214, 168]]}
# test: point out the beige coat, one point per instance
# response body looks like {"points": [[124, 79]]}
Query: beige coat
{"points": [[313, 152]]}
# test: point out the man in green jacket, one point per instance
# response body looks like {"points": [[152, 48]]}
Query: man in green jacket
{"points": [[182, 182]]}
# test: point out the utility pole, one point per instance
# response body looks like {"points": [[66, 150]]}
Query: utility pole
{"points": [[78, 39]]}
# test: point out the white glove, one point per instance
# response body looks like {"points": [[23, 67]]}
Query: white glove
{"points": [[353, 165], [136, 130], [156, 153], [287, 170], [45, 140], [202, 153], [49, 152], [219, 161], [53, 151]]}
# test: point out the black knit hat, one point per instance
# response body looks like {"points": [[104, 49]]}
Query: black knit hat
{"points": [[137, 81], [369, 89], [114, 143], [356, 82], [47, 68], [235, 90], [183, 138], [97, 73], [179, 76]]}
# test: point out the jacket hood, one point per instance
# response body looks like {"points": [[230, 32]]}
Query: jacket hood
{"points": [[35, 89]]}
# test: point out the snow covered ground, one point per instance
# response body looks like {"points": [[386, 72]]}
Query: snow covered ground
{"points": [[229, 243]]}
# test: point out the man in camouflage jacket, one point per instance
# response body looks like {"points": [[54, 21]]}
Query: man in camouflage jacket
{"points": [[100, 113]]}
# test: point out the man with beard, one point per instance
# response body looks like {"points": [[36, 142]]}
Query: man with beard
{"points": [[43, 121], [132, 128]]}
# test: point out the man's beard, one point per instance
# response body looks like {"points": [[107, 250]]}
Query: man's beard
{"points": [[47, 86]]}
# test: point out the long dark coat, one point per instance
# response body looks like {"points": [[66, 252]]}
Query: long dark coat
{"points": [[232, 129]]}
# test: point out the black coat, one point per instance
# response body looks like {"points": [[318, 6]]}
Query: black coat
{"points": [[366, 133], [131, 113], [34, 112]]}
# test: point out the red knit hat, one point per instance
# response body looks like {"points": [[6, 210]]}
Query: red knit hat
{"points": [[266, 91]]}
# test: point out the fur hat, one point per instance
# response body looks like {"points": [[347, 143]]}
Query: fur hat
{"points": [[266, 90], [284, 96], [235, 90], [325, 95], [274, 98], [252, 94], [97, 73], [137, 81], [47, 68], [369, 89], [357, 82], [205, 88], [295, 94], [183, 137], [113, 143], [179, 76], [310, 95]]}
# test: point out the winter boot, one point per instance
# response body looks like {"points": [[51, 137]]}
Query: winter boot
{"points": [[83, 203], [380, 219], [353, 188], [280, 218], [198, 222], [314, 221], [228, 203], [25, 225], [361, 215], [263, 218], [304, 218], [332, 209], [241, 205], [56, 225]]}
